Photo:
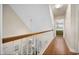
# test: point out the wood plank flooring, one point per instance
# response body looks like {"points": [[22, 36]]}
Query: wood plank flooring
{"points": [[58, 47]]}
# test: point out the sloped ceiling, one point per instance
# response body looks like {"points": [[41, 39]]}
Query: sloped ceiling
{"points": [[36, 16]]}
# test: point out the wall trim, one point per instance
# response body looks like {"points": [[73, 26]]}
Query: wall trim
{"points": [[43, 50]]}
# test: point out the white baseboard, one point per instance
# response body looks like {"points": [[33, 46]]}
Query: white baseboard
{"points": [[43, 50], [72, 50]]}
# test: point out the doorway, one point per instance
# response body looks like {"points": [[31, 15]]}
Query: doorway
{"points": [[59, 27]]}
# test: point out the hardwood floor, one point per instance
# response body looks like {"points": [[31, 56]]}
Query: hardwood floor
{"points": [[58, 47]]}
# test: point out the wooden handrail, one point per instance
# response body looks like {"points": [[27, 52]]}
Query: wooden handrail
{"points": [[9, 39]]}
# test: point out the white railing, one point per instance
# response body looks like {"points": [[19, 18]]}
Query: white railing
{"points": [[32, 45]]}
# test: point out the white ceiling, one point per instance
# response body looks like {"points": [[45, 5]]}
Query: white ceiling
{"points": [[59, 11]]}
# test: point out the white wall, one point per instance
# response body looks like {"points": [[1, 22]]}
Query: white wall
{"points": [[67, 27], [71, 32], [78, 31], [36, 17], [0, 26], [52, 19], [75, 25], [12, 24]]}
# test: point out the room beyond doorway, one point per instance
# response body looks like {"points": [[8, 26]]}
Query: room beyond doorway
{"points": [[59, 27]]}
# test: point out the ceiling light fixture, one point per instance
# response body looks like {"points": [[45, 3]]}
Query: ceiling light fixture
{"points": [[58, 5]]}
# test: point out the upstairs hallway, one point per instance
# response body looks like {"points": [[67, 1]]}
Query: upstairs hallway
{"points": [[58, 47]]}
